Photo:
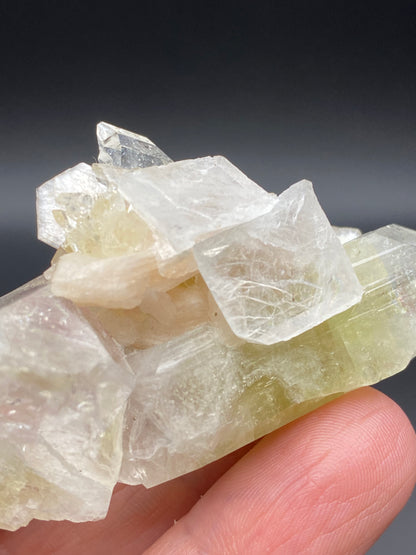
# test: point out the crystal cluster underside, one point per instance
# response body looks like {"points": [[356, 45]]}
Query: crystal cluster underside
{"points": [[186, 312]]}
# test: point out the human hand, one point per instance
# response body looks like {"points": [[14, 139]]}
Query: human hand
{"points": [[328, 483]]}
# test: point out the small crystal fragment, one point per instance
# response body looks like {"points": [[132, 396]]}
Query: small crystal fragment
{"points": [[346, 234], [281, 273], [125, 149], [63, 389], [61, 200]]}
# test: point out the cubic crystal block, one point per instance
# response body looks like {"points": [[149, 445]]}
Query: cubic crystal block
{"points": [[187, 201], [281, 273], [63, 390], [125, 149], [198, 397]]}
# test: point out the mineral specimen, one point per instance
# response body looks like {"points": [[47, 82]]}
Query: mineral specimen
{"points": [[186, 313], [63, 389], [200, 397]]}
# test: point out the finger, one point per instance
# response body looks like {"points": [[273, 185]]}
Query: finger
{"points": [[330, 482], [137, 517]]}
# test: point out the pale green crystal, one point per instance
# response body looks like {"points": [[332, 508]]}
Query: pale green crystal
{"points": [[198, 398]]}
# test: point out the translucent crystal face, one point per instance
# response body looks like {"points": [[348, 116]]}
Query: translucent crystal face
{"points": [[60, 413], [281, 273], [200, 397], [125, 149], [63, 200], [186, 313], [189, 200]]}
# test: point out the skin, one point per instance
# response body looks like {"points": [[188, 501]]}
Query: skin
{"points": [[330, 482]]}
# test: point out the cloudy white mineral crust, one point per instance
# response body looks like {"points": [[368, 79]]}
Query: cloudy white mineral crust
{"points": [[186, 313]]}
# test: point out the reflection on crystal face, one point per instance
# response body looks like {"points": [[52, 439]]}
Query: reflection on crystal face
{"points": [[187, 201], [280, 274], [125, 149], [346, 234]]}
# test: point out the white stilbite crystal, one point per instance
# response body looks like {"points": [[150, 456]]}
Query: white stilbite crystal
{"points": [[61, 200], [62, 401], [113, 282], [281, 273], [198, 397], [125, 149], [190, 200], [161, 316]]}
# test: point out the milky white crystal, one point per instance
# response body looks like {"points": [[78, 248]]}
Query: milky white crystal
{"points": [[63, 389], [119, 147], [113, 282], [198, 397], [280, 274], [186, 201]]}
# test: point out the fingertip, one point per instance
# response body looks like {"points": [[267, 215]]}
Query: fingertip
{"points": [[330, 482]]}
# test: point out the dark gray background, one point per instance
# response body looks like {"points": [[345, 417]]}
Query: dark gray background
{"points": [[286, 90]]}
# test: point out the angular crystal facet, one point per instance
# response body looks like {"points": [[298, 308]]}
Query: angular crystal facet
{"points": [[62, 400], [198, 398], [63, 199], [346, 234], [281, 273], [125, 149], [205, 362], [189, 200]]}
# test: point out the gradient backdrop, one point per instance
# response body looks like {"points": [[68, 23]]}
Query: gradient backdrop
{"points": [[286, 90]]}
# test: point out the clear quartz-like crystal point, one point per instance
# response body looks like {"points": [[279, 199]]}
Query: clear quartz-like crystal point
{"points": [[199, 397], [125, 149], [63, 389], [189, 200], [281, 273]]}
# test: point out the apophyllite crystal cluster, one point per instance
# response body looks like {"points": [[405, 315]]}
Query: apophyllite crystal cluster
{"points": [[186, 313]]}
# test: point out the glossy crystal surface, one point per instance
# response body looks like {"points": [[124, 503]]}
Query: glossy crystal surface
{"points": [[199, 397], [125, 149], [281, 273], [186, 312], [63, 389], [189, 200]]}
